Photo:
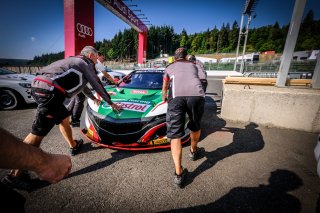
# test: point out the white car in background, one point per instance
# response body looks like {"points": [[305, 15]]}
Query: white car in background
{"points": [[15, 89], [115, 75]]}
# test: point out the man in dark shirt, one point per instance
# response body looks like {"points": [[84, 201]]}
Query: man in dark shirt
{"points": [[186, 95], [53, 84], [202, 73], [76, 103]]}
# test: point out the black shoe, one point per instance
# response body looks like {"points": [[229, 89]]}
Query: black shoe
{"points": [[75, 123], [17, 182], [196, 154], [24, 182], [180, 179], [75, 150]]}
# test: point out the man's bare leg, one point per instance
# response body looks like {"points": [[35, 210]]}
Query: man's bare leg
{"points": [[195, 137], [66, 131], [176, 151]]}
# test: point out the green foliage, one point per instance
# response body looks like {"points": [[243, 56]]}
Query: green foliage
{"points": [[123, 46], [46, 59]]}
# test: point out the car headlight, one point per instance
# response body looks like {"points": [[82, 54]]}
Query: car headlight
{"points": [[25, 85]]}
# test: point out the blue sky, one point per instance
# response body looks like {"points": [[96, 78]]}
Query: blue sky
{"points": [[34, 27]]}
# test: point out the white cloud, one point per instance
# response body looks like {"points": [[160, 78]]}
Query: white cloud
{"points": [[32, 39]]}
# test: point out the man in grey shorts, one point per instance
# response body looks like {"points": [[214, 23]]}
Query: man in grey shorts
{"points": [[186, 95], [52, 85]]}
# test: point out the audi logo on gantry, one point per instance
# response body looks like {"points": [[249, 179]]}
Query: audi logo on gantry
{"points": [[85, 30]]}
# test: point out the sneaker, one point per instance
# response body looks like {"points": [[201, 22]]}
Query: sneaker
{"points": [[179, 179], [76, 149], [196, 154], [17, 182], [24, 182], [75, 123]]}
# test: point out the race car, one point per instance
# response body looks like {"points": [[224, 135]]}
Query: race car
{"points": [[15, 89], [141, 124]]}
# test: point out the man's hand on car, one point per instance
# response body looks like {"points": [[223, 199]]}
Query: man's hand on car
{"points": [[116, 107]]}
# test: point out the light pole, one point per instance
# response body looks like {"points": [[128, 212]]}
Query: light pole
{"points": [[245, 43], [249, 8]]}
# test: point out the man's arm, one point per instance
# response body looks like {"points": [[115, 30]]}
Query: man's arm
{"points": [[96, 84], [165, 85], [14, 154], [90, 95], [109, 77]]}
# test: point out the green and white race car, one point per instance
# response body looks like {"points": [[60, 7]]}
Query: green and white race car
{"points": [[141, 124]]}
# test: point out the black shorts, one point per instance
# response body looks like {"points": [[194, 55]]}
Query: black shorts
{"points": [[50, 111], [177, 109]]}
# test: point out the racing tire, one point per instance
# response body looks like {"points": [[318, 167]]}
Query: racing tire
{"points": [[8, 99]]}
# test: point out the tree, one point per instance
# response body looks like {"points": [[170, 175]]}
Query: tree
{"points": [[184, 39], [233, 36], [271, 37], [223, 37]]}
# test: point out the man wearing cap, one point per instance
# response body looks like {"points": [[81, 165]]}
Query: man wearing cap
{"points": [[185, 95], [50, 88]]}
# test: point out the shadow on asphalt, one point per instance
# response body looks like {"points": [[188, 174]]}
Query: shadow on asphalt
{"points": [[88, 147], [273, 197], [115, 156], [244, 140]]}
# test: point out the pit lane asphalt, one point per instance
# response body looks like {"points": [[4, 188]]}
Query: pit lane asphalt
{"points": [[261, 169]]}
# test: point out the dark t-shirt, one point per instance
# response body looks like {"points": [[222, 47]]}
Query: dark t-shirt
{"points": [[71, 74]]}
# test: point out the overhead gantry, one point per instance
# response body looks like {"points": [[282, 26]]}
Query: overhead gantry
{"points": [[79, 25]]}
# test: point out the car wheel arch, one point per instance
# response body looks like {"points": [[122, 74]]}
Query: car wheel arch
{"points": [[10, 93]]}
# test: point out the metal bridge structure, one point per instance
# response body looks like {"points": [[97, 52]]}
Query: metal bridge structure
{"points": [[79, 25]]}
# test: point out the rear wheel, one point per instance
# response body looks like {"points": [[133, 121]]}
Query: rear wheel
{"points": [[8, 99]]}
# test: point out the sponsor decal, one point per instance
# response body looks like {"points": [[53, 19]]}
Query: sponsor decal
{"points": [[143, 92], [111, 93], [130, 106], [124, 12], [90, 133], [84, 30], [131, 100], [159, 141]]}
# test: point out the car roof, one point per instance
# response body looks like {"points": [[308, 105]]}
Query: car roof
{"points": [[149, 70]]}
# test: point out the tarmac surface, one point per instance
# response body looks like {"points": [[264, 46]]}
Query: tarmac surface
{"points": [[246, 168]]}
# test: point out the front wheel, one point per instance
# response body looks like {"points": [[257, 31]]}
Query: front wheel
{"points": [[8, 100]]}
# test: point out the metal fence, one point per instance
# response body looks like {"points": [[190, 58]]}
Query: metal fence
{"points": [[296, 66], [23, 69], [291, 75]]}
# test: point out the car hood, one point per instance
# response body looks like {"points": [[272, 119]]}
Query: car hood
{"points": [[136, 104], [17, 77]]}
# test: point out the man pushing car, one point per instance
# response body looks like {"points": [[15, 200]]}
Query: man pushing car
{"points": [[52, 85]]}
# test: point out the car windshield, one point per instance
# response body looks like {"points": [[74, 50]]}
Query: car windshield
{"points": [[143, 80], [6, 72]]}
